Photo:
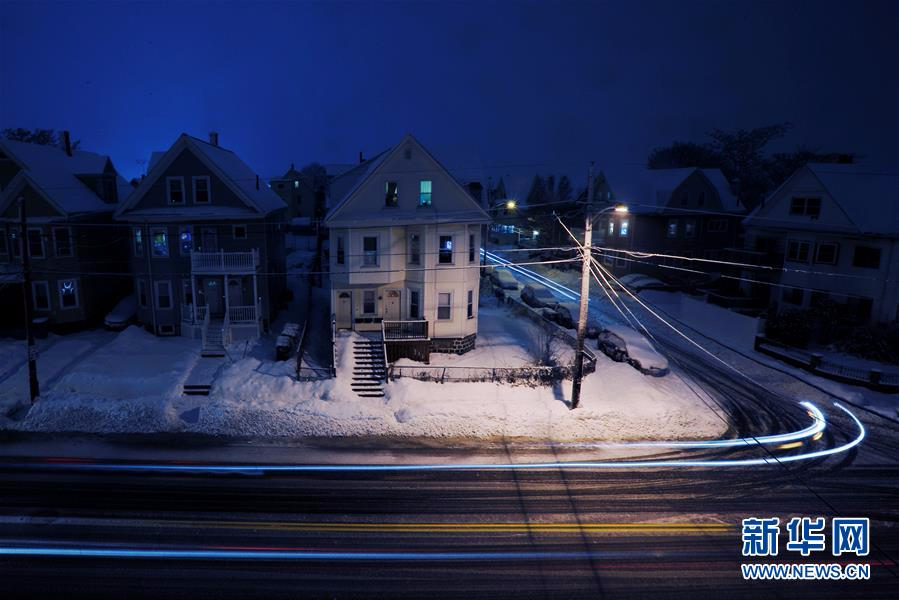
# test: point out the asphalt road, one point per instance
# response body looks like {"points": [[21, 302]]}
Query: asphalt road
{"points": [[539, 533]]}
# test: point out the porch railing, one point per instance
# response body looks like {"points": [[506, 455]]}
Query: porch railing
{"points": [[225, 262], [243, 314], [405, 330]]}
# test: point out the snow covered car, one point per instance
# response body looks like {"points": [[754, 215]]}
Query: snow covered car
{"points": [[122, 315], [503, 279], [623, 344], [566, 315], [538, 296], [637, 282]]}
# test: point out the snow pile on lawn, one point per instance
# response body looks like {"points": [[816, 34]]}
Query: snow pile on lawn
{"points": [[639, 348], [123, 386]]}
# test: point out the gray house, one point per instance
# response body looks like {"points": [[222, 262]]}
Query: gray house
{"points": [[206, 244]]}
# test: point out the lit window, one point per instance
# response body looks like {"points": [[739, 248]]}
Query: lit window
{"points": [[623, 228], [159, 242], [424, 193], [296, 184], [62, 241], [444, 306], [370, 251], [611, 227], [201, 190], [175, 189], [414, 249], [368, 302], [185, 240], [672, 228], [391, 194], [40, 295], [138, 242], [445, 250], [239, 232], [470, 304], [68, 293], [689, 228]]}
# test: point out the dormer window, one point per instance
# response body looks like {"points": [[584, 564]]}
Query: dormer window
{"points": [[807, 207], [391, 194], [201, 190], [174, 187]]}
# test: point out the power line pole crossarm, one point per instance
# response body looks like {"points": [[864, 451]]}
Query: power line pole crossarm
{"points": [[585, 294], [33, 386]]}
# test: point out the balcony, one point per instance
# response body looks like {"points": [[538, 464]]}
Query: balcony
{"points": [[233, 263], [404, 330]]}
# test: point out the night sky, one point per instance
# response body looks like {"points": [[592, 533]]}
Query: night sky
{"points": [[498, 86]]}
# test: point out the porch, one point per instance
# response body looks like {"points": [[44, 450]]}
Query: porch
{"points": [[225, 262], [406, 339]]}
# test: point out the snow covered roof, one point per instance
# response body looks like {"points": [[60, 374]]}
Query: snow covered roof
{"points": [[338, 169], [343, 186], [233, 172], [54, 174], [649, 190]]}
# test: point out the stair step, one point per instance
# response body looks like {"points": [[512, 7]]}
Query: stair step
{"points": [[372, 395]]}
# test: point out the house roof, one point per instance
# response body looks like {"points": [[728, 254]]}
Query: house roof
{"points": [[869, 200], [357, 177], [649, 190], [347, 183], [54, 174], [229, 167]]}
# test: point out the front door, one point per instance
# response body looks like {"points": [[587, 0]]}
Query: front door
{"points": [[392, 305], [214, 292], [344, 316], [208, 239]]}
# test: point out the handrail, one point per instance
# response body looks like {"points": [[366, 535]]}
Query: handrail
{"points": [[226, 329], [205, 325], [333, 345], [384, 351]]}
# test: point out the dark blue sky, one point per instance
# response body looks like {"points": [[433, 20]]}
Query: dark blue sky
{"points": [[510, 86]]}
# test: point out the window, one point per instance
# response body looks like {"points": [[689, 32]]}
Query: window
{"points": [[414, 304], [471, 248], [163, 295], [798, 251], [716, 225], [175, 189], [239, 232], [793, 296], [142, 293], [391, 194], [444, 306], [296, 184], [14, 243], [341, 256], [368, 302], [159, 242], [424, 193], [808, 207], [40, 295], [187, 292], [370, 251], [4, 249], [827, 253], [137, 241], [68, 293], [689, 228], [611, 227], [672, 228], [469, 306], [35, 243], [62, 241], [623, 228], [414, 249], [866, 257], [186, 240], [445, 250], [201, 190]]}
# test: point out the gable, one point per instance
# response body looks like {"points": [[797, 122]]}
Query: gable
{"points": [[36, 206], [407, 165], [775, 212], [695, 192]]}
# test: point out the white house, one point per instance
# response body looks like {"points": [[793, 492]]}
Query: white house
{"points": [[404, 249], [836, 228]]}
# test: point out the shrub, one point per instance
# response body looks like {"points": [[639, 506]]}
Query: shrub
{"points": [[792, 328], [880, 343]]}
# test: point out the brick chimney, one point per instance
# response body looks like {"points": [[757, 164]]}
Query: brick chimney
{"points": [[214, 138], [67, 143]]}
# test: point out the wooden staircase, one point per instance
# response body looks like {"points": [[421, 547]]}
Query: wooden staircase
{"points": [[213, 343], [369, 369]]}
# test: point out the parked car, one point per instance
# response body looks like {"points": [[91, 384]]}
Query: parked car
{"points": [[503, 279], [567, 314], [122, 315], [637, 282], [538, 296], [623, 344]]}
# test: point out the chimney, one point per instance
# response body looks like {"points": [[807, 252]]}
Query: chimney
{"points": [[361, 159], [257, 181], [67, 143], [214, 138]]}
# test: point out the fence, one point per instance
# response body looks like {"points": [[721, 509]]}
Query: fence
{"points": [[876, 379], [536, 375]]}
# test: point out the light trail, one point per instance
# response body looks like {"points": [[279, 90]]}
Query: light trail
{"points": [[626, 464], [556, 287]]}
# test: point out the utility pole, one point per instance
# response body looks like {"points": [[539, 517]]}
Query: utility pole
{"points": [[33, 386], [585, 294]]}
